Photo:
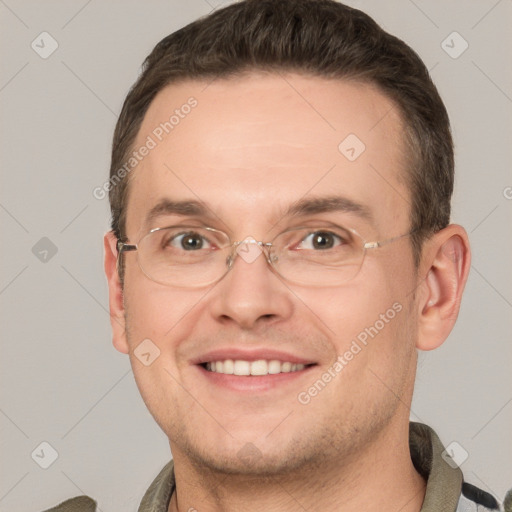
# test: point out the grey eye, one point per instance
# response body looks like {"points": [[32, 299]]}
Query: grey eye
{"points": [[190, 241], [320, 240]]}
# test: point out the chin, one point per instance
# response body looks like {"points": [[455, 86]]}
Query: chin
{"points": [[238, 455]]}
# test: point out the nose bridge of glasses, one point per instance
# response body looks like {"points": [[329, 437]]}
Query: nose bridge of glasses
{"points": [[249, 250]]}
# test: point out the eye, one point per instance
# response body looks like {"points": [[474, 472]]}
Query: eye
{"points": [[321, 240], [189, 241]]}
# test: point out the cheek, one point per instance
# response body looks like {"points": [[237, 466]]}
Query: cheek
{"points": [[374, 345], [156, 319], [156, 312], [372, 312], [351, 314]]}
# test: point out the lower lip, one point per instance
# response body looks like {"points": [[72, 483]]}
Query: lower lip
{"points": [[253, 383]]}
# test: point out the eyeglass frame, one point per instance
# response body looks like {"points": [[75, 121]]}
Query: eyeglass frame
{"points": [[126, 247]]}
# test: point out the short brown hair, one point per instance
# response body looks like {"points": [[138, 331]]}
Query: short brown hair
{"points": [[321, 38]]}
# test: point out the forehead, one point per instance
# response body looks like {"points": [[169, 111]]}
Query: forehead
{"points": [[249, 147]]}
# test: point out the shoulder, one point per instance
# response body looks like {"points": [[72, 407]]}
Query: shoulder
{"points": [[447, 488], [78, 504]]}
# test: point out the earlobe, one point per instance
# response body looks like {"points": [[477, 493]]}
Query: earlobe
{"points": [[445, 265], [116, 304]]}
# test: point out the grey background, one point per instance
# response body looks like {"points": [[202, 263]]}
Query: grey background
{"points": [[62, 381]]}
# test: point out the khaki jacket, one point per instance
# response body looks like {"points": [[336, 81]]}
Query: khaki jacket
{"points": [[446, 490]]}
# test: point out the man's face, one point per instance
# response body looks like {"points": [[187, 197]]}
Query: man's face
{"points": [[250, 148]]}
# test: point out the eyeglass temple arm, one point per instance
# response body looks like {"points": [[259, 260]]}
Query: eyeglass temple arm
{"points": [[122, 246], [373, 245]]}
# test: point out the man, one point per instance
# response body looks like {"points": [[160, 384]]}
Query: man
{"points": [[280, 249]]}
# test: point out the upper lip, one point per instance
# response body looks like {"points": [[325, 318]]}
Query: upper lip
{"points": [[268, 354]]}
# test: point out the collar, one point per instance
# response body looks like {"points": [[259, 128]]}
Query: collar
{"points": [[444, 483]]}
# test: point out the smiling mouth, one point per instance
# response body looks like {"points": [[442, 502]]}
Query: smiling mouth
{"points": [[253, 368]]}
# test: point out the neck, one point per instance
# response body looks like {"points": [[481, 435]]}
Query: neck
{"points": [[379, 478]]}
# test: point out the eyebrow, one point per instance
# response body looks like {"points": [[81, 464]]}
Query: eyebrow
{"points": [[301, 208], [326, 204], [186, 208]]}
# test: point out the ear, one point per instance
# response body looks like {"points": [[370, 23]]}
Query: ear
{"points": [[115, 290], [444, 266]]}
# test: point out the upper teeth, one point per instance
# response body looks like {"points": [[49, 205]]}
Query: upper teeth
{"points": [[259, 367]]}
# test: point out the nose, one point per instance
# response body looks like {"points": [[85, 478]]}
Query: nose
{"points": [[251, 294]]}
